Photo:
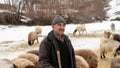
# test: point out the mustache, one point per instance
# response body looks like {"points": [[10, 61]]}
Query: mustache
{"points": [[61, 29]]}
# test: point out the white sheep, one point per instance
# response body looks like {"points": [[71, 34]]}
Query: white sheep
{"points": [[81, 62], [6, 63], [38, 29], [107, 34], [80, 28], [108, 46]]}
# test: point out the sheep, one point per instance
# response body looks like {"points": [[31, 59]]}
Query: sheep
{"points": [[36, 52], [6, 63], [32, 57], [108, 45], [23, 63], [117, 51], [80, 28], [116, 37], [38, 29], [81, 62], [90, 56], [115, 62], [107, 34], [112, 27], [32, 37]]}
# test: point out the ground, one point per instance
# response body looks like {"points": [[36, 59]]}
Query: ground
{"points": [[11, 49]]}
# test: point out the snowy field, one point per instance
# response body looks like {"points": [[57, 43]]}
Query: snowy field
{"points": [[13, 39]]}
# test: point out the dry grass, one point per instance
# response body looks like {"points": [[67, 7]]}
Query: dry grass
{"points": [[6, 42], [95, 35]]}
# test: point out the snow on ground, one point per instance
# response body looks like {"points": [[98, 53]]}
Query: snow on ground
{"points": [[12, 37]]}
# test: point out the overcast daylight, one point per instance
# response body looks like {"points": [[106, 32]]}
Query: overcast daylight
{"points": [[15, 27]]}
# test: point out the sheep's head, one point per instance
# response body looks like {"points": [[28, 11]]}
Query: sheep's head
{"points": [[107, 34]]}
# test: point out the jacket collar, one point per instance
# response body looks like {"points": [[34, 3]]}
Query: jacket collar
{"points": [[52, 37]]}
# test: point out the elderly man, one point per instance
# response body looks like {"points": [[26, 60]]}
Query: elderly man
{"points": [[56, 50]]}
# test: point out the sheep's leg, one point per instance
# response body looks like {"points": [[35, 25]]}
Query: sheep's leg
{"points": [[102, 56], [82, 32], [37, 40], [32, 42], [79, 33], [115, 54]]}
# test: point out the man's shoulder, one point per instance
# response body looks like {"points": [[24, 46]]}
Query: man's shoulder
{"points": [[46, 40], [66, 37]]}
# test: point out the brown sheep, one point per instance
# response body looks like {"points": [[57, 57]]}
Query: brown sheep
{"points": [[115, 62], [32, 57], [36, 52], [32, 37], [6, 63], [23, 63], [117, 51], [90, 56], [81, 62], [116, 37], [108, 45], [80, 28]]}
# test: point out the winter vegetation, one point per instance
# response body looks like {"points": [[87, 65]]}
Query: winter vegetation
{"points": [[36, 12]]}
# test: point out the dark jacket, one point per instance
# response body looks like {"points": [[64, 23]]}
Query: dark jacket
{"points": [[48, 54]]}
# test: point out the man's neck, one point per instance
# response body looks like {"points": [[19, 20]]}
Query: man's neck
{"points": [[59, 37]]}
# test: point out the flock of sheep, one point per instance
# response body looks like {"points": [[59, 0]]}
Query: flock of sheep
{"points": [[109, 47], [85, 58], [27, 60]]}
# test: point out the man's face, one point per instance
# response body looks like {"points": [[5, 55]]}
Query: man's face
{"points": [[59, 28]]}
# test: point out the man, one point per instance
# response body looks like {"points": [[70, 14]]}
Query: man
{"points": [[56, 50]]}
